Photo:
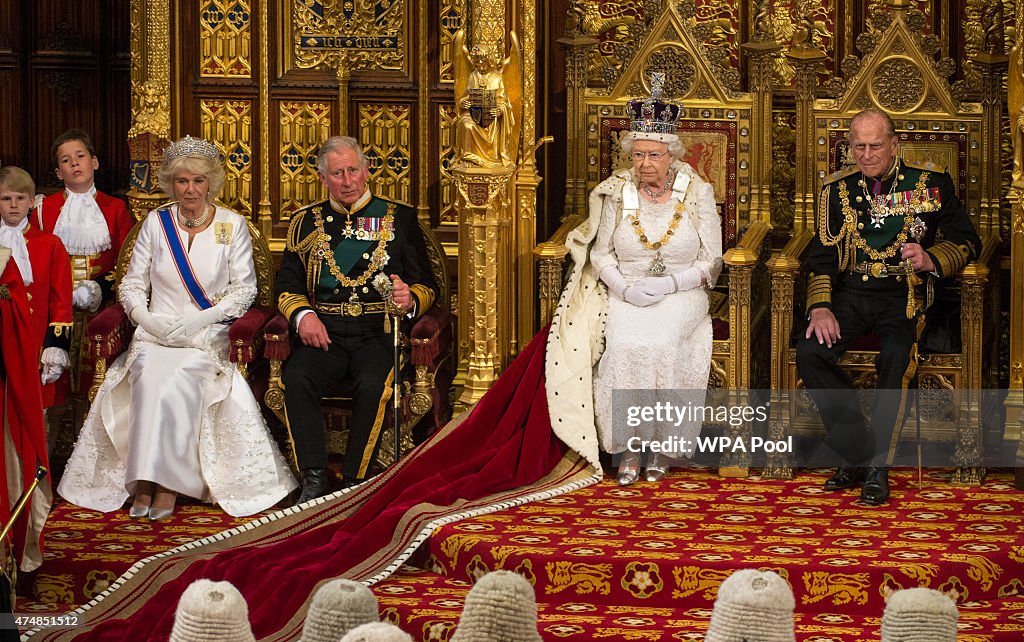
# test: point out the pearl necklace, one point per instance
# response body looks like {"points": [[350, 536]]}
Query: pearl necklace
{"points": [[194, 223], [668, 183]]}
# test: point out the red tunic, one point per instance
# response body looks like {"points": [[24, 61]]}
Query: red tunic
{"points": [[119, 223], [97, 267], [49, 299], [21, 403]]}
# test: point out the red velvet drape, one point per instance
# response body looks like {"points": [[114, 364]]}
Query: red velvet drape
{"points": [[505, 443]]}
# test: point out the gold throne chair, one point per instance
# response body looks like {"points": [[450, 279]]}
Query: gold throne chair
{"points": [[939, 133], [427, 372]]}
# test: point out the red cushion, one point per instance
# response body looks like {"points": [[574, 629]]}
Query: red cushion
{"points": [[108, 332]]}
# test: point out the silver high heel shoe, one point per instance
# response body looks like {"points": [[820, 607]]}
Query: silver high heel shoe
{"points": [[629, 469], [656, 467], [138, 512], [158, 514]]}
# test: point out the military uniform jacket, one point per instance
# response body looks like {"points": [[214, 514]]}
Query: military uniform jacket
{"points": [[377, 236], [854, 248]]}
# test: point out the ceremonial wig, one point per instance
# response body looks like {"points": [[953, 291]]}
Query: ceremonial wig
{"points": [[15, 179], [196, 156], [336, 144], [654, 119], [69, 135]]}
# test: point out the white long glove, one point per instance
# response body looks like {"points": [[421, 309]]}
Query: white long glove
{"points": [[688, 279], [187, 326], [87, 296], [635, 294], [53, 361], [156, 326]]}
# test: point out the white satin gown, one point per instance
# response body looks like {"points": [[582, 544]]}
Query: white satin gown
{"points": [[667, 345], [180, 415]]}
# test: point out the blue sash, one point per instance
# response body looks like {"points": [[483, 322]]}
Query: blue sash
{"points": [[188, 278]]}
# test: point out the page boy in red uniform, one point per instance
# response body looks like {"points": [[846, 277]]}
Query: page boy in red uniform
{"points": [[92, 226]]}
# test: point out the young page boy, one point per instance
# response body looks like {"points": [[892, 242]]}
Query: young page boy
{"points": [[46, 271], [92, 226], [22, 408]]}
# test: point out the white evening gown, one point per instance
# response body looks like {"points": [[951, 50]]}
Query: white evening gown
{"points": [[180, 415], [667, 345]]}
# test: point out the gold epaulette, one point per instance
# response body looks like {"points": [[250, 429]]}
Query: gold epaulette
{"points": [[839, 175], [293, 241]]}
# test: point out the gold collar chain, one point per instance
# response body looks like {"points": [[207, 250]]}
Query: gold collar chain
{"points": [[677, 216], [378, 259]]}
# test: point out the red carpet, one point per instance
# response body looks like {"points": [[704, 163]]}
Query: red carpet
{"points": [[645, 562]]}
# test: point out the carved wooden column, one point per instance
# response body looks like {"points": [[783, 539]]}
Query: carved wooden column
{"points": [[523, 276], [992, 67], [264, 221], [806, 61], [344, 78], [1014, 403], [783, 268], [577, 45], [151, 106], [483, 205], [762, 54]]}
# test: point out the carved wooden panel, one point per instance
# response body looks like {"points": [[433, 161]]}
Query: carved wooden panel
{"points": [[385, 132], [65, 65], [303, 126], [225, 32], [228, 124]]}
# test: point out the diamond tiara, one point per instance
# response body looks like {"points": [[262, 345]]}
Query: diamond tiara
{"points": [[189, 146]]}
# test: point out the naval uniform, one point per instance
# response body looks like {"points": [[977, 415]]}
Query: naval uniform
{"points": [[854, 269], [329, 263]]}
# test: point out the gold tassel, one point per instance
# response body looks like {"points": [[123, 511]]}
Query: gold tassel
{"points": [[913, 280], [387, 323]]}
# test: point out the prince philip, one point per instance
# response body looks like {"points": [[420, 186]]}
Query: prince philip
{"points": [[881, 230]]}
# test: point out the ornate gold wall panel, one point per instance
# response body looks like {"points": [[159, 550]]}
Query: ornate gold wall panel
{"points": [[452, 18], [369, 34], [385, 133], [228, 124], [446, 153], [303, 126], [225, 39]]}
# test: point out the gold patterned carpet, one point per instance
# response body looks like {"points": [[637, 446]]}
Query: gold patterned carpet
{"points": [[645, 562]]}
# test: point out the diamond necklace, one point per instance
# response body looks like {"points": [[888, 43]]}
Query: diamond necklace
{"points": [[668, 183]]}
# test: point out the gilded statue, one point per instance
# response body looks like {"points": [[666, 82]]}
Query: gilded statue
{"points": [[489, 97], [764, 29], [153, 110]]}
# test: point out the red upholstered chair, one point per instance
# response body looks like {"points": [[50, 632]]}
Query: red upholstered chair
{"points": [[109, 332], [426, 381]]}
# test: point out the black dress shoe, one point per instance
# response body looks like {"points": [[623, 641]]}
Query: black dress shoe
{"points": [[876, 487], [314, 484], [845, 477]]}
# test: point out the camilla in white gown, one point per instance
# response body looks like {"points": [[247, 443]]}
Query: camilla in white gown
{"points": [[178, 413]]}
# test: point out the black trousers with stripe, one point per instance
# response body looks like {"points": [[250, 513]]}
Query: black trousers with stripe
{"points": [[359, 352], [881, 312]]}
